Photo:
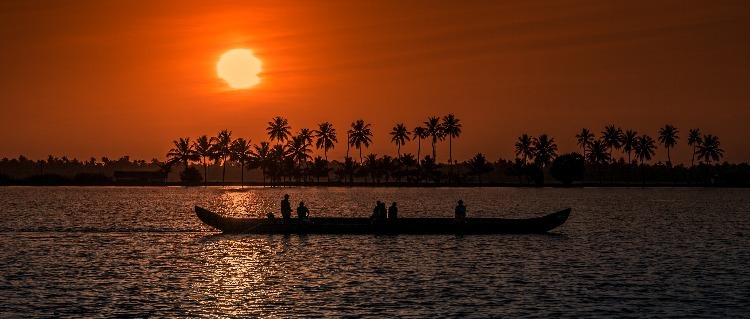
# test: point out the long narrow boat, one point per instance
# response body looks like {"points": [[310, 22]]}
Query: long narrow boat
{"points": [[326, 225]]}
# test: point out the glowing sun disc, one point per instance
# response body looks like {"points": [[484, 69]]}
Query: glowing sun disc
{"points": [[239, 68]]}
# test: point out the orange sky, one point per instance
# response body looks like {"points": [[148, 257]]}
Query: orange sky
{"points": [[114, 78]]}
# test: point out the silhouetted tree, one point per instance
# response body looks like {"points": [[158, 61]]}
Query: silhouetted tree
{"points": [[239, 152], [584, 140], [261, 157], [452, 129], [644, 149], [388, 165], [221, 150], [694, 140], [371, 166], [668, 137], [435, 130], [709, 150], [612, 138], [319, 168], [544, 149], [598, 156], [204, 146], [628, 144], [298, 149], [567, 168], [182, 152], [420, 133], [400, 136], [278, 129], [326, 138], [524, 148], [478, 166], [360, 135]]}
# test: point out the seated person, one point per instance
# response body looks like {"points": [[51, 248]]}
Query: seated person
{"points": [[302, 212], [460, 212]]}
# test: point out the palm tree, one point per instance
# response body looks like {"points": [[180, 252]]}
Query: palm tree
{"points": [[326, 135], [694, 140], [524, 148], [420, 133], [644, 149], [222, 151], [434, 129], [260, 157], [371, 165], [709, 149], [598, 156], [281, 153], [319, 168], [279, 129], [545, 150], [585, 138], [668, 137], [183, 152], [359, 135], [400, 136], [204, 146], [478, 165], [612, 138], [240, 153], [306, 135], [298, 149], [628, 144], [451, 128]]}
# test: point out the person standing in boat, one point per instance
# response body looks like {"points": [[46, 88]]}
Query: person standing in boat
{"points": [[302, 212], [460, 212], [393, 211], [286, 209]]}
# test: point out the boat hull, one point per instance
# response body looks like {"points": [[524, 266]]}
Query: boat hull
{"points": [[325, 225]]}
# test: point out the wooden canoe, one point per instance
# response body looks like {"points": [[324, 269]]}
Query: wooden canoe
{"points": [[328, 225]]}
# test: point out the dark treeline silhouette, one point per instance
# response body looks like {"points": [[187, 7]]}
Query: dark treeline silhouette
{"points": [[615, 158]]}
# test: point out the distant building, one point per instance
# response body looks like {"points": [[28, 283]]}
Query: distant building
{"points": [[140, 177]]}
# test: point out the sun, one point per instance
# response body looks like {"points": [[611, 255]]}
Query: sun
{"points": [[240, 68]]}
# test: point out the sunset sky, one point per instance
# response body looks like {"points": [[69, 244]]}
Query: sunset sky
{"points": [[114, 78]]}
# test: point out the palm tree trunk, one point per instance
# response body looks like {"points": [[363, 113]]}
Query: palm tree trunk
{"points": [[692, 163], [205, 172], [434, 153], [419, 149], [643, 174], [347, 144], [242, 174], [450, 157], [223, 170], [611, 167]]}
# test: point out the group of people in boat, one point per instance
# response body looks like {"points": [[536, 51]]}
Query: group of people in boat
{"points": [[379, 214]]}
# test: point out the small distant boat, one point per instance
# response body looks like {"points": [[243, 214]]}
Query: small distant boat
{"points": [[332, 225]]}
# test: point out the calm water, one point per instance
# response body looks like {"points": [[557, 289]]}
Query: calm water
{"points": [[104, 252]]}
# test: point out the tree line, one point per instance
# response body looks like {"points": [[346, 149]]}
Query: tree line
{"points": [[286, 158]]}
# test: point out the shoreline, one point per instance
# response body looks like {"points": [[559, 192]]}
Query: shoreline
{"points": [[388, 185]]}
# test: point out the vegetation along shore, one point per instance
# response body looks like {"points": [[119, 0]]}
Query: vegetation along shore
{"points": [[615, 157]]}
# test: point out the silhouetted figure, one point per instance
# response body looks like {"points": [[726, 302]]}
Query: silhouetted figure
{"points": [[378, 213], [460, 212], [286, 209], [302, 212], [393, 211]]}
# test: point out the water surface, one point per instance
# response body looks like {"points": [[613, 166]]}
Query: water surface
{"points": [[103, 252]]}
